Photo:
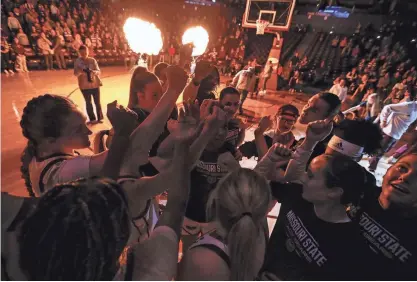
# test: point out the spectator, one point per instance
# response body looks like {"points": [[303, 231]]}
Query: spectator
{"points": [[59, 44], [5, 57], [77, 43], [18, 48], [22, 37], [339, 88], [352, 76], [67, 34], [70, 22], [222, 53], [44, 46], [244, 81], [292, 84], [58, 28], [213, 54], [343, 42], [394, 121], [34, 35], [294, 60], [171, 52], [18, 16], [266, 75], [13, 23], [54, 11]]}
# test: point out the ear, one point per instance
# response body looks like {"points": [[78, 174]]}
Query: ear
{"points": [[335, 193]]}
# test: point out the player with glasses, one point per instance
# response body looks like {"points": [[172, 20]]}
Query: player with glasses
{"points": [[271, 131]]}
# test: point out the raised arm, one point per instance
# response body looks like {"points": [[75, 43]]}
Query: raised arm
{"points": [[208, 126], [316, 132], [157, 257], [149, 130], [202, 70]]}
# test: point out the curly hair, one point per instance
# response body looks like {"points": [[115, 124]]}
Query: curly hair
{"points": [[77, 232]]}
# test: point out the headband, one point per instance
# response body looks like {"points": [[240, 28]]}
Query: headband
{"points": [[344, 147]]}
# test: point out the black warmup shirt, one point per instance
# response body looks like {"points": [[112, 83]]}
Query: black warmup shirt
{"points": [[204, 178], [304, 247], [393, 238]]}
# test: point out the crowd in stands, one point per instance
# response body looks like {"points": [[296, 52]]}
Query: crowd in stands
{"points": [[48, 36]]}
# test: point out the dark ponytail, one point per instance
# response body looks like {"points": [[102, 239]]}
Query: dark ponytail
{"points": [[347, 174], [140, 78]]}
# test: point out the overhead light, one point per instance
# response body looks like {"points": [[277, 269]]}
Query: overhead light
{"points": [[378, 37], [331, 32], [413, 40]]}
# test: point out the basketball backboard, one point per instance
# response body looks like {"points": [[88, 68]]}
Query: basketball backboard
{"points": [[277, 12]]}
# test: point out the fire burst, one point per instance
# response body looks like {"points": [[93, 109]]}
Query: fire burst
{"points": [[199, 37], [143, 37]]}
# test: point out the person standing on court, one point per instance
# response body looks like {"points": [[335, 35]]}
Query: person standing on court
{"points": [[87, 71], [244, 81]]}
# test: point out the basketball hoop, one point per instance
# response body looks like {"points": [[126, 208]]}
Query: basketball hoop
{"points": [[260, 26]]}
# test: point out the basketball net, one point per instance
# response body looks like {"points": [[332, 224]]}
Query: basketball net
{"points": [[260, 26]]}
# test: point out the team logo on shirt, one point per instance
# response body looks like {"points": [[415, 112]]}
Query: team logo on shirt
{"points": [[290, 245], [381, 240], [302, 241]]}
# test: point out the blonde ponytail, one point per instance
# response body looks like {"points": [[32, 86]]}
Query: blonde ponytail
{"points": [[239, 204]]}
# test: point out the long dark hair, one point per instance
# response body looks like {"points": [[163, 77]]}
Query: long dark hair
{"points": [[43, 117], [77, 232], [140, 78]]}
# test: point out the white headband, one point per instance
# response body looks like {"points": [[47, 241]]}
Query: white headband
{"points": [[345, 147]]}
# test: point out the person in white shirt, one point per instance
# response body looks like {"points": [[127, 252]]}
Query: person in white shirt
{"points": [[339, 88], [394, 121], [266, 75], [13, 23]]}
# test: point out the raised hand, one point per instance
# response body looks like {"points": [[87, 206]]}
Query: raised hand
{"points": [[318, 130], [279, 154], [215, 119], [264, 124], [176, 78], [207, 107], [187, 127], [123, 120], [202, 70]]}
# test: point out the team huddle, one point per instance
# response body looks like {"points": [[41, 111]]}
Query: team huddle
{"points": [[98, 217]]}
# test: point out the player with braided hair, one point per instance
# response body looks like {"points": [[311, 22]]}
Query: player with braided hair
{"points": [[79, 229], [77, 232], [54, 128]]}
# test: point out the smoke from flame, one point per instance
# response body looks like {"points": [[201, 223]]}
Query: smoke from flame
{"points": [[143, 37], [199, 37]]}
